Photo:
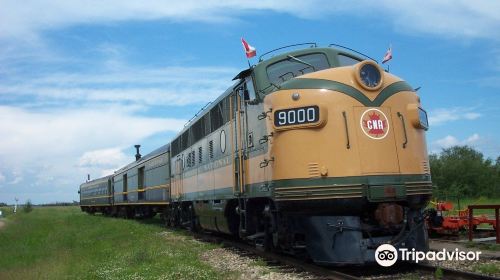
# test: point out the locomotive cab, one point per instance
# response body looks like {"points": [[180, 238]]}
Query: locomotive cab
{"points": [[347, 154]]}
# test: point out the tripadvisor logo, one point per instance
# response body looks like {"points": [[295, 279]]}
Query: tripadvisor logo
{"points": [[387, 255]]}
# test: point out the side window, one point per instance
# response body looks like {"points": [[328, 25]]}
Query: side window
{"points": [[249, 93], [216, 118], [176, 147], [292, 67], [207, 123], [219, 114], [198, 130], [225, 109], [184, 140]]}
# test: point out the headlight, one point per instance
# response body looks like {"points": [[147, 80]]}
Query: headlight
{"points": [[368, 74], [418, 116]]}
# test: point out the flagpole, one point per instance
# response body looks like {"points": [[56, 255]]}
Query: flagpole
{"points": [[249, 65]]}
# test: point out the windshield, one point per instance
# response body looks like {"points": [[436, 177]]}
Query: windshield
{"points": [[295, 66], [345, 60]]}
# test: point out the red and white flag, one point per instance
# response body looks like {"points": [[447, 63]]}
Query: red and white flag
{"points": [[249, 50], [388, 55]]}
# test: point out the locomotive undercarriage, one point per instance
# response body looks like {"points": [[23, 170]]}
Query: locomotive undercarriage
{"points": [[348, 236]]}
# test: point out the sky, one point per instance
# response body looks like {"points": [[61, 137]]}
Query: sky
{"points": [[81, 82]]}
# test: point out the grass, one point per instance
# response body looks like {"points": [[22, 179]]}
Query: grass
{"points": [[7, 211], [483, 246], [64, 243], [487, 268]]}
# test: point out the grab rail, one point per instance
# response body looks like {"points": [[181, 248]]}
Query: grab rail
{"points": [[346, 130], [404, 129], [313, 45]]}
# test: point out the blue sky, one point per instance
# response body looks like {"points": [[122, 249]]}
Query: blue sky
{"points": [[81, 82]]}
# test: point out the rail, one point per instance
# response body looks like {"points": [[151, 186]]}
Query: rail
{"points": [[311, 45], [196, 115], [497, 220], [355, 51]]}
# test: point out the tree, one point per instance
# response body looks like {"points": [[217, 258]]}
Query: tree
{"points": [[463, 172], [28, 207]]}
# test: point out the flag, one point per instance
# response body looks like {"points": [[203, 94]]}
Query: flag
{"points": [[249, 50], [388, 55]]}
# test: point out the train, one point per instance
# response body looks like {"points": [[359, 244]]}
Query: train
{"points": [[317, 152]]}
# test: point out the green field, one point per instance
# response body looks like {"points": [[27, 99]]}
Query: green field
{"points": [[64, 243]]}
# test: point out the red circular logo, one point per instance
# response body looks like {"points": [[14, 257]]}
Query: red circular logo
{"points": [[374, 124]]}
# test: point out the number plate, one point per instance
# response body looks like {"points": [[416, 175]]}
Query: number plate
{"points": [[296, 116]]}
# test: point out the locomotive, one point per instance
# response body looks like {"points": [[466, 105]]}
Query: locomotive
{"points": [[316, 152]]}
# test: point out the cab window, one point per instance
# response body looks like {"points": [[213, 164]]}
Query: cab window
{"points": [[345, 60], [295, 66]]}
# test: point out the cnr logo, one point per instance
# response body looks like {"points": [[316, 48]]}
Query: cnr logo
{"points": [[374, 124]]}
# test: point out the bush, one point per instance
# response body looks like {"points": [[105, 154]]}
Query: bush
{"points": [[28, 207], [461, 171]]}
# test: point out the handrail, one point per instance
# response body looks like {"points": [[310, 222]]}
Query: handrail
{"points": [[289, 46], [404, 129], [340, 46], [348, 145]]}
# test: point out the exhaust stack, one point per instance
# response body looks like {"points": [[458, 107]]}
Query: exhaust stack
{"points": [[137, 155]]}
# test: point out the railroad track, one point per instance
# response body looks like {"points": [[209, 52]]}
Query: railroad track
{"points": [[334, 273]]}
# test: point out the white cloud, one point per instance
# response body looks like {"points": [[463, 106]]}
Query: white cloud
{"points": [[33, 133], [450, 141], [106, 172], [472, 139], [16, 180], [480, 18], [2, 178], [172, 86], [463, 18], [103, 158], [447, 142], [55, 149], [444, 115]]}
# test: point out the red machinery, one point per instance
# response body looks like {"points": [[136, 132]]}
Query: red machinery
{"points": [[441, 221]]}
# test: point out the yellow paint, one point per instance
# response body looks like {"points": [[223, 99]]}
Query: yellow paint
{"points": [[141, 203], [296, 151], [102, 196]]}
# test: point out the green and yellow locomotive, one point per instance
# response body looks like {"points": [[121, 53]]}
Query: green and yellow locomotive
{"points": [[315, 152]]}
